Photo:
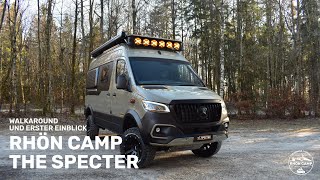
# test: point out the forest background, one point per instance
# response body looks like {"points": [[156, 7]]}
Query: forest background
{"points": [[262, 56]]}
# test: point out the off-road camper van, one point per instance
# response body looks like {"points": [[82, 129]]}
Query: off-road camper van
{"points": [[144, 89]]}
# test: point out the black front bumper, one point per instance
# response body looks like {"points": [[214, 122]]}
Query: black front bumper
{"points": [[173, 133]]}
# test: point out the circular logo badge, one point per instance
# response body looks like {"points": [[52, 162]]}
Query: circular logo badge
{"points": [[203, 112], [300, 162]]}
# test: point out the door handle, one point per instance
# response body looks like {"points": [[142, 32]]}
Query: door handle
{"points": [[108, 94], [114, 94]]}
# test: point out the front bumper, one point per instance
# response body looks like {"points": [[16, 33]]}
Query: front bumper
{"points": [[188, 141], [173, 133]]}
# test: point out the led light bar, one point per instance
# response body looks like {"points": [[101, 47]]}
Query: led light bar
{"points": [[154, 43], [138, 41]]}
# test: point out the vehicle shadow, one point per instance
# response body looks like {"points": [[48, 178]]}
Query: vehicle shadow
{"points": [[176, 160]]}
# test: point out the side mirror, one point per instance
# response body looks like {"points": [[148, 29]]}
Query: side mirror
{"points": [[122, 82]]}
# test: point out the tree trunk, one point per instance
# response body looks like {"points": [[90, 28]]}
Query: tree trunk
{"points": [[48, 105], [73, 62], [90, 30], [40, 69], [13, 54], [83, 45], [3, 13], [313, 26], [269, 42], [296, 43], [222, 51], [134, 17], [61, 59], [239, 42], [101, 22], [173, 19], [281, 49]]}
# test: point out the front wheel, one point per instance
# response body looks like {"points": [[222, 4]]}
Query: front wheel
{"points": [[132, 144], [92, 128], [208, 150]]}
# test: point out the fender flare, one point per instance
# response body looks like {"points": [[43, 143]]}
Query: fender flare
{"points": [[86, 109], [135, 116], [138, 121]]}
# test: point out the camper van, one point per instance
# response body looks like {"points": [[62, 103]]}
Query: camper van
{"points": [[143, 89]]}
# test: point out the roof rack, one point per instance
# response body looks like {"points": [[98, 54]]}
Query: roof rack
{"points": [[139, 41], [109, 44]]}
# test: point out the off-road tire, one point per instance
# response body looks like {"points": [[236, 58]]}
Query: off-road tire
{"points": [[208, 150], [147, 152], [92, 128]]}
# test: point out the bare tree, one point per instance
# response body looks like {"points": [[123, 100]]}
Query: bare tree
{"points": [[312, 11], [73, 63], [239, 41], [13, 40], [101, 21], [61, 57], [134, 16], [173, 19], [222, 49], [83, 42], [91, 3], [48, 69], [3, 13], [40, 70], [269, 42]]}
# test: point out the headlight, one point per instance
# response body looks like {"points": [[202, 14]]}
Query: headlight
{"points": [[223, 105], [224, 108], [155, 107]]}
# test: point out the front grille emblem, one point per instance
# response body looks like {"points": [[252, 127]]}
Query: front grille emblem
{"points": [[202, 111]]}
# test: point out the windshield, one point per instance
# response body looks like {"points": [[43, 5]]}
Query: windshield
{"points": [[155, 71]]}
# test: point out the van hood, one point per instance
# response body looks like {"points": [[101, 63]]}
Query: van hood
{"points": [[165, 94]]}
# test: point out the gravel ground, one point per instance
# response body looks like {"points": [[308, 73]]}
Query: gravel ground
{"points": [[256, 149]]}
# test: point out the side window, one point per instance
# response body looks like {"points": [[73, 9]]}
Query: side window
{"points": [[92, 79], [121, 68], [105, 76]]}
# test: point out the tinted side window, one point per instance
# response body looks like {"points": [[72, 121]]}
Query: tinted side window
{"points": [[105, 76], [92, 79], [121, 68]]}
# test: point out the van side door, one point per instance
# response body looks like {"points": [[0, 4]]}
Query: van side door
{"points": [[120, 97], [103, 100]]}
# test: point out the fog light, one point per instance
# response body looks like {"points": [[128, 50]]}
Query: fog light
{"points": [[226, 125], [158, 129]]}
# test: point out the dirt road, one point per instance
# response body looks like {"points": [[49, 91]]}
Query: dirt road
{"points": [[255, 150]]}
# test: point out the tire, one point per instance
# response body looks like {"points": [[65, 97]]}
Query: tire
{"points": [[92, 129], [208, 150], [132, 144]]}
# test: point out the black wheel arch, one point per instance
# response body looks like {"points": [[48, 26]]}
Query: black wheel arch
{"points": [[130, 117], [88, 111]]}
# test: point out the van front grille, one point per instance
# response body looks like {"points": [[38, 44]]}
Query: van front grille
{"points": [[197, 113]]}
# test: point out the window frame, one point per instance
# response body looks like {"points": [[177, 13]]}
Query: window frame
{"points": [[105, 86], [125, 66], [95, 80]]}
